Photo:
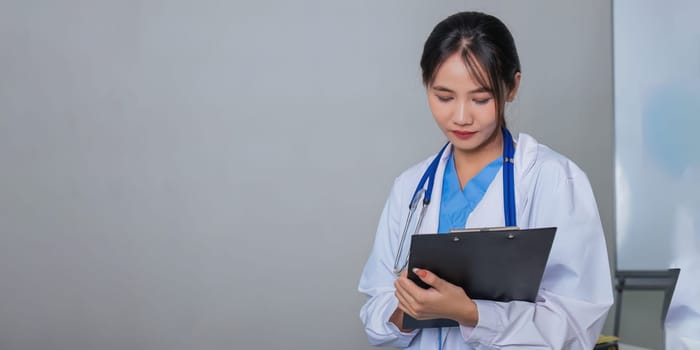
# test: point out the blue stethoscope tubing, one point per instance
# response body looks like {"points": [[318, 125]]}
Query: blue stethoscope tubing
{"points": [[429, 179], [508, 179]]}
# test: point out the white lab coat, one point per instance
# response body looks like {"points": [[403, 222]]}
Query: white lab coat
{"points": [[576, 291]]}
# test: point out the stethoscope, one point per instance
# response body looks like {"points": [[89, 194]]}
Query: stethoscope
{"points": [[429, 178]]}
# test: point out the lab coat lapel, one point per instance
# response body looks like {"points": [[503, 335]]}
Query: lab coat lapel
{"points": [[489, 212]]}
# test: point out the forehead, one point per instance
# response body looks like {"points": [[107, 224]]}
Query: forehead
{"points": [[454, 74]]}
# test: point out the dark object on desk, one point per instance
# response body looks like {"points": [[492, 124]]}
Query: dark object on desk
{"points": [[662, 280], [500, 265]]}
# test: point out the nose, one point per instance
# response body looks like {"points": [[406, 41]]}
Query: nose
{"points": [[462, 115]]}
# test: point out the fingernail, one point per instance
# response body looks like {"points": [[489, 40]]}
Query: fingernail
{"points": [[419, 272]]}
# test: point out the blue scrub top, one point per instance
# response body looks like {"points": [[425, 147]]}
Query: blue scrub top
{"points": [[456, 204]]}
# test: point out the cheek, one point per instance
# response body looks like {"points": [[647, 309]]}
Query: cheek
{"points": [[487, 113], [440, 111]]}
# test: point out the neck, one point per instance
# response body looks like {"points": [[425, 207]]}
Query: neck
{"points": [[469, 163], [484, 154]]}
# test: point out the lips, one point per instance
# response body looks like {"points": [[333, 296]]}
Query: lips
{"points": [[463, 134]]}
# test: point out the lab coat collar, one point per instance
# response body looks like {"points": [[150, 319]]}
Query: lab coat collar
{"points": [[524, 160]]}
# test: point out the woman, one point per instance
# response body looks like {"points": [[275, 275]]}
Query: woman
{"points": [[470, 70]]}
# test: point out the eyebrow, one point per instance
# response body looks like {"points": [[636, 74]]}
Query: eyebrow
{"points": [[475, 91]]}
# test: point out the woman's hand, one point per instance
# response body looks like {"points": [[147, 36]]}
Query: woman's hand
{"points": [[442, 300]]}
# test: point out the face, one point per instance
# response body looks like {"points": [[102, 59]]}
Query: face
{"points": [[464, 110]]}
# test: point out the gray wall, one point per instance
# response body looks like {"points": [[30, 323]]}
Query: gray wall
{"points": [[209, 174]]}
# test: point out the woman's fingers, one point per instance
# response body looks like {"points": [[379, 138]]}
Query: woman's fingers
{"points": [[412, 299], [406, 300], [442, 300], [430, 278]]}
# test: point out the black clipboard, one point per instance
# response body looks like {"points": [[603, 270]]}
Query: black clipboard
{"points": [[500, 264]]}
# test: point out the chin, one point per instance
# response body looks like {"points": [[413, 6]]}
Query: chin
{"points": [[468, 145]]}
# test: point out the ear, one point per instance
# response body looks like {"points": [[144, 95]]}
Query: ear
{"points": [[514, 91]]}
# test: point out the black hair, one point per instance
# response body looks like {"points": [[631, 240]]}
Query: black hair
{"points": [[484, 42]]}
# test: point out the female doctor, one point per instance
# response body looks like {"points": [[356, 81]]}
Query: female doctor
{"points": [[485, 178]]}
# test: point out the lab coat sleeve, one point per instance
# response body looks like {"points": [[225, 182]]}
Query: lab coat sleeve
{"points": [[377, 280], [576, 291]]}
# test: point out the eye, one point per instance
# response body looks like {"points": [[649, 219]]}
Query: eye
{"points": [[443, 98], [482, 101]]}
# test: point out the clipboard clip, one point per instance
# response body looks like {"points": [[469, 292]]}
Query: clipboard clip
{"points": [[510, 235], [485, 229]]}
